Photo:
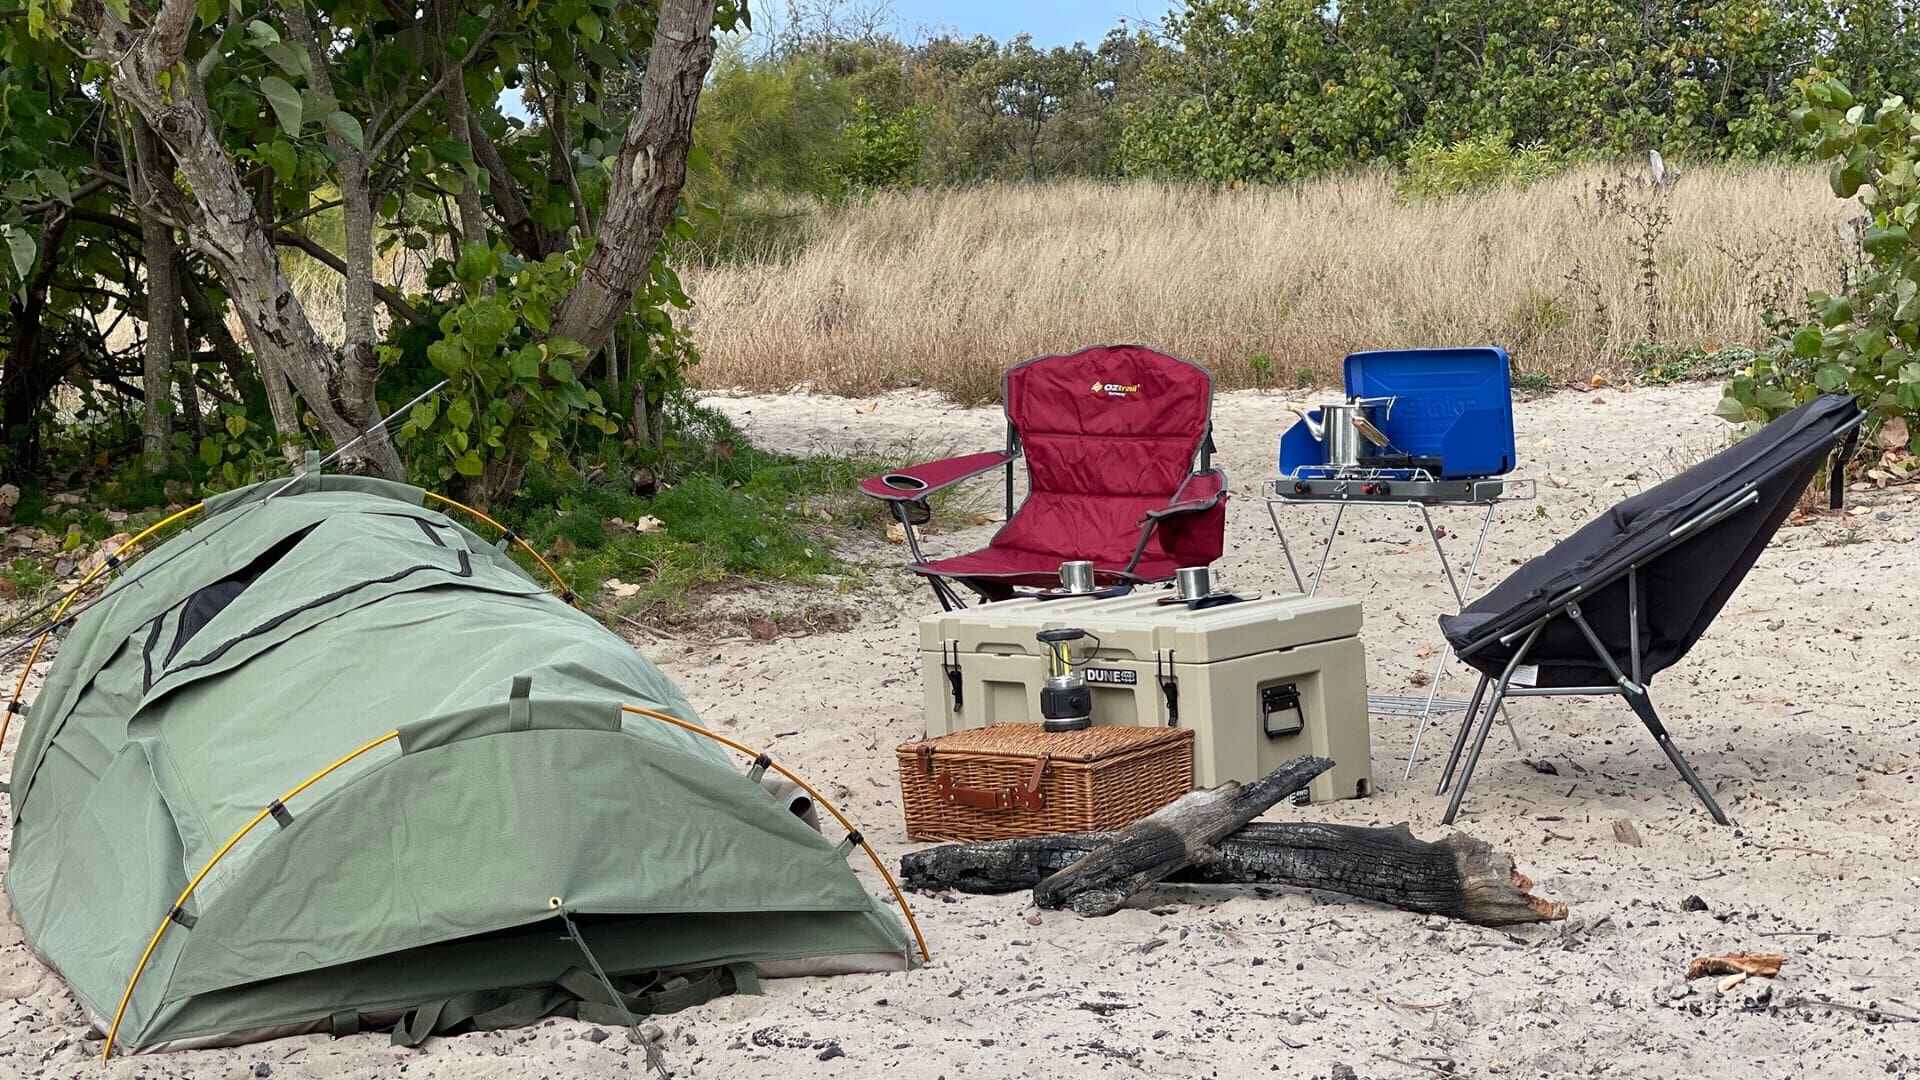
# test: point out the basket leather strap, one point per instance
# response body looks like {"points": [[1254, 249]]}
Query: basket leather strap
{"points": [[1009, 798]]}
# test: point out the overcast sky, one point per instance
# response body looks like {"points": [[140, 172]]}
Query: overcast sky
{"points": [[1049, 23]]}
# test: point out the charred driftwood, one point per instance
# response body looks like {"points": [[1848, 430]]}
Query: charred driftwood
{"points": [[1460, 877], [1168, 840]]}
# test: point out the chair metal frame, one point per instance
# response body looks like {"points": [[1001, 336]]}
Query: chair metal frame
{"points": [[1633, 688], [943, 590]]}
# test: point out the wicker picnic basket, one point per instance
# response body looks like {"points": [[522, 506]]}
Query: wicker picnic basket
{"points": [[1010, 780]]}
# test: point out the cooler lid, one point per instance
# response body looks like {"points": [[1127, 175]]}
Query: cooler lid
{"points": [[1137, 626]]}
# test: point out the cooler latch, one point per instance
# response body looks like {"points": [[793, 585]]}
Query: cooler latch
{"points": [[1169, 685], [951, 662]]}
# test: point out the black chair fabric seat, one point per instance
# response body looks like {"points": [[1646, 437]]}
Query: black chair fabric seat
{"points": [[1683, 585], [1669, 558]]}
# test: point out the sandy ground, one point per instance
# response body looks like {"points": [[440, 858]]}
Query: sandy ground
{"points": [[1798, 706]]}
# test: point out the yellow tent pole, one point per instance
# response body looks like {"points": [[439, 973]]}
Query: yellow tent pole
{"points": [[567, 592], [120, 1012], [893, 886], [20, 685]]}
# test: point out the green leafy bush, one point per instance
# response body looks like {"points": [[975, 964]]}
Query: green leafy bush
{"points": [[882, 149], [1860, 340], [1470, 166], [1660, 364]]}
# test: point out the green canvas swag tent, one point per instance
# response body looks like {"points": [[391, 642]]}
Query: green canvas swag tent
{"points": [[473, 780]]}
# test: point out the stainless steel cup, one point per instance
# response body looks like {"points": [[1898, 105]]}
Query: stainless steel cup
{"points": [[1192, 582], [1077, 576]]}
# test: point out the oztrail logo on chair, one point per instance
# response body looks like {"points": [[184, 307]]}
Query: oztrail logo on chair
{"points": [[1115, 389]]}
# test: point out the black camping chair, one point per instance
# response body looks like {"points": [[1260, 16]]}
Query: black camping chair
{"points": [[1628, 595]]}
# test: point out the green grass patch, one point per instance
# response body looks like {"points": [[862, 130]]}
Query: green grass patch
{"points": [[133, 488], [729, 511], [1657, 364], [26, 577]]}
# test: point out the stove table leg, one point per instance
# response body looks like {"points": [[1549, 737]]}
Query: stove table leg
{"points": [[1274, 516]]}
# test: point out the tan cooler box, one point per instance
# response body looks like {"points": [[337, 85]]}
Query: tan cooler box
{"points": [[1259, 682]]}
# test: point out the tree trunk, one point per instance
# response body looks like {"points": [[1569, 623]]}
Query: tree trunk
{"points": [[641, 426], [531, 241], [1460, 877], [185, 376], [224, 224], [29, 374], [163, 300], [647, 177], [1168, 840], [360, 366], [473, 221], [210, 322]]}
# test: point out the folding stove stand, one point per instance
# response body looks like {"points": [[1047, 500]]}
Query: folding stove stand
{"points": [[1321, 485]]}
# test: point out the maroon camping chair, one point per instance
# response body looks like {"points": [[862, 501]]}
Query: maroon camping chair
{"points": [[1117, 440]]}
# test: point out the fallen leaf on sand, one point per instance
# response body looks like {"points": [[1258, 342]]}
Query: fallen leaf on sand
{"points": [[871, 406], [983, 519], [896, 533], [1892, 434], [621, 589], [762, 629], [1624, 832], [1423, 652], [1764, 964], [1597, 381]]}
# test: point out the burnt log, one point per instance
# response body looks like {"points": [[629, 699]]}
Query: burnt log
{"points": [[1460, 877], [1168, 840]]}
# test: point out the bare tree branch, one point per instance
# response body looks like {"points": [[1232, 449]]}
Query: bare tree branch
{"points": [[73, 196], [406, 116], [316, 208], [394, 301]]}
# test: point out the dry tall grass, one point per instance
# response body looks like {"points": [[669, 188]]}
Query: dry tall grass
{"points": [[945, 289]]}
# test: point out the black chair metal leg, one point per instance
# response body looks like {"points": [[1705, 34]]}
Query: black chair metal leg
{"points": [[1486, 725], [1643, 706], [1473, 757], [1460, 739]]}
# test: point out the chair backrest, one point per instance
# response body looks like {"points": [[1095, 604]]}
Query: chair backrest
{"points": [[1109, 433], [1683, 581]]}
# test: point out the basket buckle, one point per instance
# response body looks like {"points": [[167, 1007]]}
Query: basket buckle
{"points": [[1029, 798]]}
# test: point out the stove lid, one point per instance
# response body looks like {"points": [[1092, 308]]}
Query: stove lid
{"points": [[1453, 404]]}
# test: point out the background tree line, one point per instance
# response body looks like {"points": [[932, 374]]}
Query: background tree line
{"points": [[235, 229], [1279, 90]]}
